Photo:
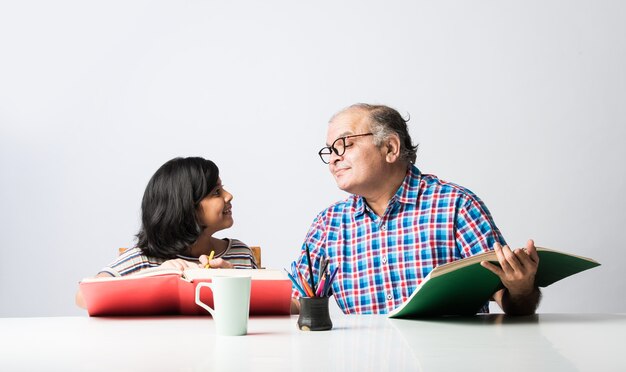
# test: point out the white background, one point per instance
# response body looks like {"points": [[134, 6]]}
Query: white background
{"points": [[523, 102]]}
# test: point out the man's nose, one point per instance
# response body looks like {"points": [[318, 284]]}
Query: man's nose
{"points": [[334, 157]]}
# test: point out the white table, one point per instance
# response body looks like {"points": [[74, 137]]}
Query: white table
{"points": [[547, 342]]}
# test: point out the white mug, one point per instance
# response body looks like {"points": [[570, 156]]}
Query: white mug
{"points": [[231, 299]]}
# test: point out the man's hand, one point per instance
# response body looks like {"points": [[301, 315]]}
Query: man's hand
{"points": [[517, 272], [517, 268]]}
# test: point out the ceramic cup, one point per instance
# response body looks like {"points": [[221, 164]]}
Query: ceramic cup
{"points": [[231, 301], [314, 315]]}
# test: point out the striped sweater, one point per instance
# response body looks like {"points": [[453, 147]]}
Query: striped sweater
{"points": [[133, 260]]}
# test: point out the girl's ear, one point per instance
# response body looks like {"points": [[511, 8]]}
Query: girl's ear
{"points": [[393, 148]]}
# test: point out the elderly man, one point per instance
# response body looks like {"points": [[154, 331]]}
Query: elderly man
{"points": [[398, 223]]}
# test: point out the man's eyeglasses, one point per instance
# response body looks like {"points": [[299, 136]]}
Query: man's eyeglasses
{"points": [[338, 147]]}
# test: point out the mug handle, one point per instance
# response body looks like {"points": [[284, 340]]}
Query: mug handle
{"points": [[200, 303]]}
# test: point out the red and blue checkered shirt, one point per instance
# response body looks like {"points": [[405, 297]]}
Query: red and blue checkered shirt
{"points": [[381, 260]]}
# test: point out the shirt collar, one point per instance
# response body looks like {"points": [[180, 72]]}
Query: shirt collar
{"points": [[408, 191], [359, 205], [406, 194]]}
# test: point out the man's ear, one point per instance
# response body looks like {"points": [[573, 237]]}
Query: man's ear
{"points": [[392, 148]]}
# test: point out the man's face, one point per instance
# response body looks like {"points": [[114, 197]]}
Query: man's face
{"points": [[359, 169]]}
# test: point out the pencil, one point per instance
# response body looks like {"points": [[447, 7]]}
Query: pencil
{"points": [[320, 286], [295, 283], [305, 285], [323, 266], [208, 264], [311, 279], [329, 282]]}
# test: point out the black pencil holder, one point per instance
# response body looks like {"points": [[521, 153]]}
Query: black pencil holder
{"points": [[314, 315]]}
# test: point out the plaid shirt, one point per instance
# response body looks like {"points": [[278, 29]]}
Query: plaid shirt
{"points": [[381, 260]]}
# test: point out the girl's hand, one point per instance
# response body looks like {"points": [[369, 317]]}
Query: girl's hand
{"points": [[179, 263], [216, 263]]}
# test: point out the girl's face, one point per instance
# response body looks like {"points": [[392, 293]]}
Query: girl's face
{"points": [[215, 211]]}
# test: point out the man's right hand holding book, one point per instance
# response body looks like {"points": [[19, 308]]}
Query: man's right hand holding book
{"points": [[520, 295]]}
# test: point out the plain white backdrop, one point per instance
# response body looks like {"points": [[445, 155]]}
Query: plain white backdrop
{"points": [[523, 102]]}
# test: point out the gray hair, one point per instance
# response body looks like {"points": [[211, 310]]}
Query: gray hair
{"points": [[385, 122]]}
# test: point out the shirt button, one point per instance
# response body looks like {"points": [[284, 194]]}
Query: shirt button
{"points": [[384, 260], [384, 228], [389, 297]]}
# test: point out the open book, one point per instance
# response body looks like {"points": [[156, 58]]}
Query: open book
{"points": [[462, 287], [158, 291]]}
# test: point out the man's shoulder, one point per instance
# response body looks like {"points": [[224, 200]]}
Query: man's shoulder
{"points": [[432, 185]]}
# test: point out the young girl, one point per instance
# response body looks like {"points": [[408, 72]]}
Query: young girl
{"points": [[184, 204]]}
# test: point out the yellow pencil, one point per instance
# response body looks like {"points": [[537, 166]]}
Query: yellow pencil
{"points": [[208, 264]]}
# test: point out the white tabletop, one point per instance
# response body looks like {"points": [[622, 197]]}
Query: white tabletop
{"points": [[546, 342]]}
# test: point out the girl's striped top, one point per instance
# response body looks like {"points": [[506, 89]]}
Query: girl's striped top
{"points": [[133, 260]]}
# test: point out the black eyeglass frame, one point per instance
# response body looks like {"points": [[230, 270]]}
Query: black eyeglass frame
{"points": [[328, 150]]}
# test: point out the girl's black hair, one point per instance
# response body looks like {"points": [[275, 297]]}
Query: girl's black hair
{"points": [[168, 209]]}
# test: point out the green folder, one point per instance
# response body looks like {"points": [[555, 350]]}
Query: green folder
{"points": [[462, 287]]}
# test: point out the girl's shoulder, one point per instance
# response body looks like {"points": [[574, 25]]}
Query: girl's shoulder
{"points": [[130, 252], [236, 243], [239, 254], [130, 261]]}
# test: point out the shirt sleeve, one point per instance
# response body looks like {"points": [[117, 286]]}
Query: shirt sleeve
{"points": [[475, 230]]}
